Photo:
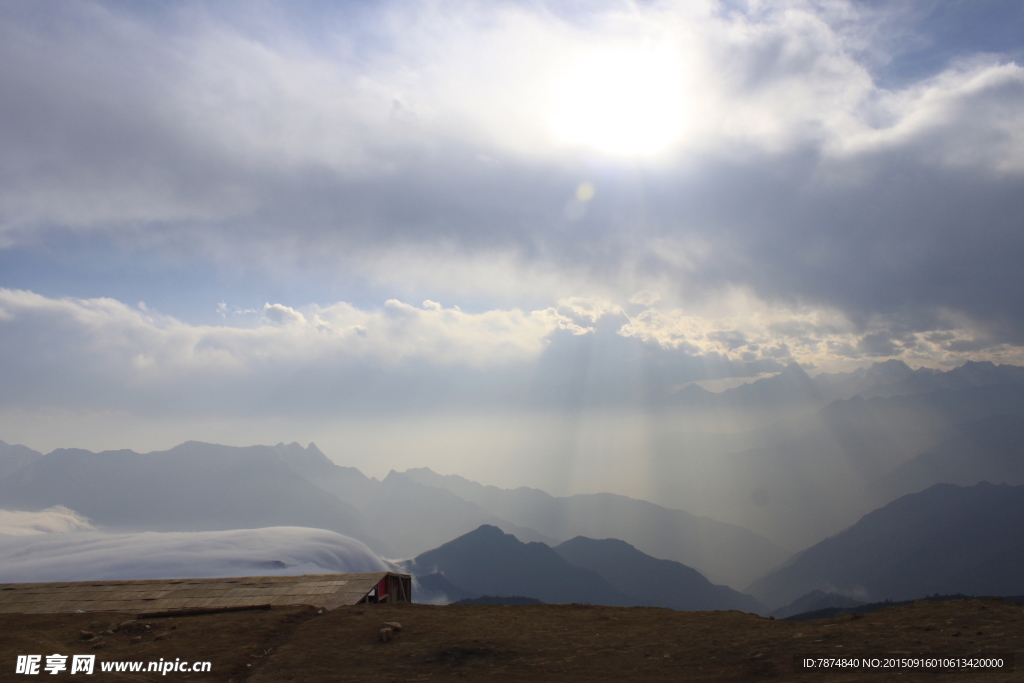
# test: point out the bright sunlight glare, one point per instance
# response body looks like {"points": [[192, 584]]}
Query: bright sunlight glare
{"points": [[626, 102]]}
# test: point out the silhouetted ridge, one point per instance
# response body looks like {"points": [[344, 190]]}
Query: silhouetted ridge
{"points": [[194, 486], [945, 540], [868, 608], [488, 561], [499, 600], [608, 572], [726, 552], [651, 581]]}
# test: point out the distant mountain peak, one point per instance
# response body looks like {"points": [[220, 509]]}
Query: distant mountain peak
{"points": [[489, 531], [606, 541], [423, 470], [794, 369], [891, 366], [891, 363], [886, 374], [490, 537], [694, 389]]}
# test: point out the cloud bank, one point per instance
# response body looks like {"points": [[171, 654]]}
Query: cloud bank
{"points": [[55, 520], [275, 551], [68, 353], [412, 148]]}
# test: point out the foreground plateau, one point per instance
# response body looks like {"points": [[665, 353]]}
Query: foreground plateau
{"points": [[525, 643]]}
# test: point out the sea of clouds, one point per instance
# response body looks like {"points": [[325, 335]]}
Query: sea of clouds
{"points": [[58, 544]]}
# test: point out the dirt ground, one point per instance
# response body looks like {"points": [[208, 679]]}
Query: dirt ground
{"points": [[522, 643]]}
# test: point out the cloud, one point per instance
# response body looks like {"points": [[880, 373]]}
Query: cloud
{"points": [[282, 315], [964, 117], [55, 520], [115, 336], [103, 353], [645, 298], [272, 551], [410, 150], [100, 354]]}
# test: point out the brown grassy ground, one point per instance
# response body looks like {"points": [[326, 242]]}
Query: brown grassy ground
{"points": [[526, 643]]}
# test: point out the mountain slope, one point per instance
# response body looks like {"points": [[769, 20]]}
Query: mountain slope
{"points": [[192, 487], [947, 539], [488, 561], [347, 483], [814, 601], [725, 553], [799, 481], [991, 449], [412, 518], [651, 581], [206, 487], [795, 388], [13, 457]]}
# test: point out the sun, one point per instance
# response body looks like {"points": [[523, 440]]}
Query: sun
{"points": [[624, 102]]}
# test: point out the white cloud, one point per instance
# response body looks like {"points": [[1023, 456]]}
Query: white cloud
{"points": [[282, 315], [968, 116], [142, 345], [743, 328], [410, 148], [55, 520], [220, 120], [645, 298], [103, 354], [590, 309], [272, 551]]}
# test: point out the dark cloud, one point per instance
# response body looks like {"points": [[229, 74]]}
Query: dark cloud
{"points": [[969, 345], [878, 344], [196, 133], [733, 339]]}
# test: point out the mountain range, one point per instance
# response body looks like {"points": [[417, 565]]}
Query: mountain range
{"points": [[990, 449], [793, 387], [192, 487], [868, 445], [816, 601], [205, 487], [726, 553], [488, 561], [946, 539], [806, 475], [651, 581]]}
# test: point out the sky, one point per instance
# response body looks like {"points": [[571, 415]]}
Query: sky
{"points": [[485, 236]]}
